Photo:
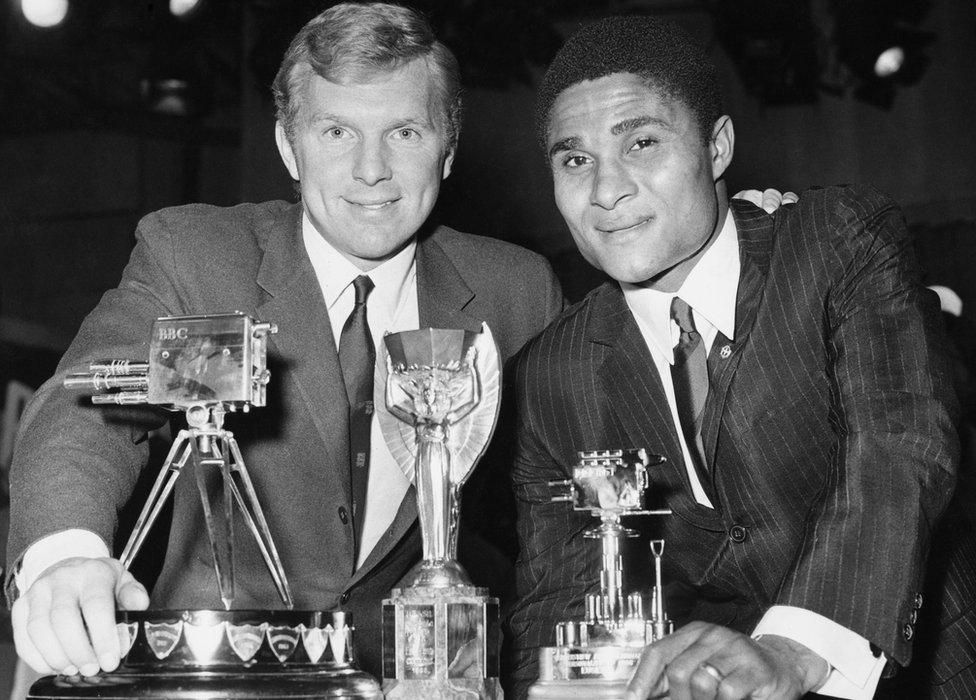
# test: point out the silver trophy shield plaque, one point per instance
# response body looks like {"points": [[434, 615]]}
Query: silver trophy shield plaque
{"points": [[437, 395]]}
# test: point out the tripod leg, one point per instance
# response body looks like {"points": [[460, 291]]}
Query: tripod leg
{"points": [[254, 516], [161, 490], [221, 548]]}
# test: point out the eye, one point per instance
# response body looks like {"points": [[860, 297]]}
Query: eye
{"points": [[336, 133], [575, 161], [406, 134], [642, 143]]}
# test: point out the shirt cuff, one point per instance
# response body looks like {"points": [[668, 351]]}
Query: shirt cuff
{"points": [[854, 669], [54, 548]]}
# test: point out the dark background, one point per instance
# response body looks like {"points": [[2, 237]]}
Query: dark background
{"points": [[83, 155], [87, 145]]}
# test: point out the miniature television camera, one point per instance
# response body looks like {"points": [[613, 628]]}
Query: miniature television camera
{"points": [[193, 360]]}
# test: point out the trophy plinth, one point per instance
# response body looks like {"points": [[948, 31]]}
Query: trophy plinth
{"points": [[440, 633], [242, 654], [595, 657], [208, 366]]}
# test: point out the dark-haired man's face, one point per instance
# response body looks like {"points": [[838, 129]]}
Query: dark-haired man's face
{"points": [[634, 179]]}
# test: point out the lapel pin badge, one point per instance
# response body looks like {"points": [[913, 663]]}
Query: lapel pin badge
{"points": [[725, 352]]}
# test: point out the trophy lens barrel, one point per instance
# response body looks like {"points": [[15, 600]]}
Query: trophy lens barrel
{"points": [[100, 382], [119, 367]]}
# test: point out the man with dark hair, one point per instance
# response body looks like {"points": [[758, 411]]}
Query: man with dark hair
{"points": [[788, 366], [368, 104]]}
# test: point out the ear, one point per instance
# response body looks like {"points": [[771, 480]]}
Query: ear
{"points": [[448, 162], [286, 152], [721, 145]]}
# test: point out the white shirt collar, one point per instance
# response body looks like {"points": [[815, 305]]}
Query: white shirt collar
{"points": [[710, 290], [336, 273]]}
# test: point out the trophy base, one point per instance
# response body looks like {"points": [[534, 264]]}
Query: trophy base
{"points": [[600, 671], [574, 690], [441, 643], [243, 654], [299, 685], [482, 688]]}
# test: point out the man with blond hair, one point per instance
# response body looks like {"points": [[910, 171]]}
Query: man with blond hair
{"points": [[368, 105]]}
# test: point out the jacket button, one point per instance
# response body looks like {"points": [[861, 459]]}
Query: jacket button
{"points": [[343, 515], [344, 598], [738, 533], [918, 601], [913, 616], [908, 632]]}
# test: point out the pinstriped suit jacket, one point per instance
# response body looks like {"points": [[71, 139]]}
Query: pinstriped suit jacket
{"points": [[828, 430]]}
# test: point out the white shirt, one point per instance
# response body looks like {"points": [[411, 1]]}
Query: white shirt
{"points": [[391, 306], [710, 290]]}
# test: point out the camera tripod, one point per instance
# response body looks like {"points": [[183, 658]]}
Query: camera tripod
{"points": [[205, 444]]}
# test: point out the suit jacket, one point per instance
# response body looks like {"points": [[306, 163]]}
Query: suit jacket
{"points": [[828, 431], [76, 464]]}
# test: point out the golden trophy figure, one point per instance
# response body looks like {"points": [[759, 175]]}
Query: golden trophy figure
{"points": [[441, 394]]}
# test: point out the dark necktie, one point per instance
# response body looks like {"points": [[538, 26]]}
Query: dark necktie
{"points": [[689, 374], [357, 356]]}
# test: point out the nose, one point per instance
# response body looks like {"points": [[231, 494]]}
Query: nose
{"points": [[372, 164], [611, 184]]}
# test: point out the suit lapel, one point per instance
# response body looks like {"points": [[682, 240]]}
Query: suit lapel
{"points": [[636, 396], [304, 338], [443, 298], [755, 232]]}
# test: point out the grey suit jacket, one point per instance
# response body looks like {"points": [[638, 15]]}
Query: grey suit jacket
{"points": [[828, 432], [75, 465]]}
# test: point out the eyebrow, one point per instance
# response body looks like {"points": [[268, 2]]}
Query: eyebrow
{"points": [[571, 143], [637, 122], [320, 117]]}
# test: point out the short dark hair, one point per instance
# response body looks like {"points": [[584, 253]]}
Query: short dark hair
{"points": [[353, 41], [660, 52]]}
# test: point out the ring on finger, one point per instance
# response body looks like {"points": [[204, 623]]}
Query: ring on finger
{"points": [[712, 671]]}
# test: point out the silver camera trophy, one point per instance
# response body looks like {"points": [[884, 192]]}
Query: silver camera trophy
{"points": [[207, 366], [595, 657], [440, 389]]}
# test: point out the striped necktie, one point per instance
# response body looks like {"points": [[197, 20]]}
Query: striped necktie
{"points": [[689, 374], [357, 357]]}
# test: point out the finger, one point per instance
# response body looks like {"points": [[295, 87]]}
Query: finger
{"points": [[649, 677], [771, 200], [40, 631], [751, 196], [69, 627], [130, 594], [687, 676], [98, 611], [790, 198], [466, 661], [744, 682], [22, 641], [704, 681]]}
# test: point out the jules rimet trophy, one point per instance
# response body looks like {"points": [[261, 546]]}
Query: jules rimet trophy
{"points": [[440, 390], [208, 366], [595, 657]]}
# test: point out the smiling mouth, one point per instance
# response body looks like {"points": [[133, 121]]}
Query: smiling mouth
{"points": [[374, 206], [624, 229]]}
